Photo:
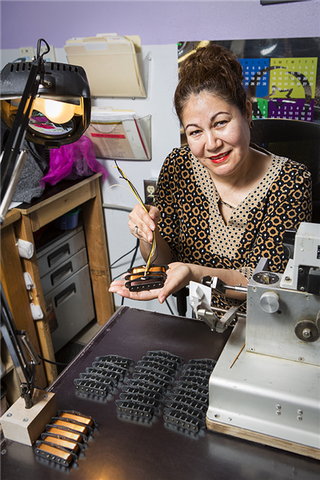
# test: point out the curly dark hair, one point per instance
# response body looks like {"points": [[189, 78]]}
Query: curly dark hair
{"points": [[213, 69]]}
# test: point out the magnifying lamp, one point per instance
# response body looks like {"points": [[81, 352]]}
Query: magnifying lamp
{"points": [[46, 103]]}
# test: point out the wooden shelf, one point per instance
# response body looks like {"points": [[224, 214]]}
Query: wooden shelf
{"points": [[22, 223]]}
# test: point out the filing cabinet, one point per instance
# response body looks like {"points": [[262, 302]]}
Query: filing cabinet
{"points": [[65, 279]]}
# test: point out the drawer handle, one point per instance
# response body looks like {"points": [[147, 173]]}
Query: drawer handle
{"points": [[65, 294], [61, 273], [58, 254]]}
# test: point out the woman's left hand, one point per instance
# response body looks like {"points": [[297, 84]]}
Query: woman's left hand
{"points": [[178, 276]]}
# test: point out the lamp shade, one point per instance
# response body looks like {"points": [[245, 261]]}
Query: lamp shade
{"points": [[65, 84]]}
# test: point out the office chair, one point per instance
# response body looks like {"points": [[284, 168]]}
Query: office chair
{"points": [[294, 139]]}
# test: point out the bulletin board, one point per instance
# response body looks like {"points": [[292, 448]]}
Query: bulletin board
{"points": [[281, 76]]}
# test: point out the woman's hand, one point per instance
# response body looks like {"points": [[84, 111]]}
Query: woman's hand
{"points": [[118, 286], [178, 276], [142, 224]]}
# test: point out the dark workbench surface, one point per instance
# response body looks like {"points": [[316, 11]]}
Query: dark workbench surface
{"points": [[123, 450]]}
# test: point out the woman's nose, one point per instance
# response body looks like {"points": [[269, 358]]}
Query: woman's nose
{"points": [[213, 141]]}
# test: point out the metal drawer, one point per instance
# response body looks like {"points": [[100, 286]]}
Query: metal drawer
{"points": [[61, 273], [70, 308], [60, 250]]}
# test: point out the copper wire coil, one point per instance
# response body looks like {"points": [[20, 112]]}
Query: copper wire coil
{"points": [[138, 279]]}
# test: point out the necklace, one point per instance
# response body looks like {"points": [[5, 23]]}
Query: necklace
{"points": [[233, 207]]}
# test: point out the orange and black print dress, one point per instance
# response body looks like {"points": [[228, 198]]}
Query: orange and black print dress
{"points": [[194, 229]]}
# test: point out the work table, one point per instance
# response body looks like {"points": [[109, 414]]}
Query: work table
{"points": [[127, 450]]}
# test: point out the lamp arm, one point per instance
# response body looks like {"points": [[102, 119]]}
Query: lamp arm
{"points": [[16, 137], [17, 342]]}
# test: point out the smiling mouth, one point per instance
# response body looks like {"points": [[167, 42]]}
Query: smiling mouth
{"points": [[220, 158]]}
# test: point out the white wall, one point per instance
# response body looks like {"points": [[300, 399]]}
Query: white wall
{"points": [[157, 22], [162, 80]]}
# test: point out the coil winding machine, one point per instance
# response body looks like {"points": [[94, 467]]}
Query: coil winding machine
{"points": [[265, 386]]}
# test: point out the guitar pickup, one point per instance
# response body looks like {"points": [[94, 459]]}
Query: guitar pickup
{"points": [[58, 454], [142, 390], [64, 420], [184, 421], [57, 422], [160, 388], [137, 397], [188, 399], [117, 360], [63, 441], [98, 377], [111, 370], [190, 388], [165, 354], [190, 409], [92, 387], [135, 411], [158, 360], [140, 279], [67, 433], [195, 380], [151, 367], [112, 379], [195, 376], [206, 362], [194, 369], [78, 417], [158, 379]]}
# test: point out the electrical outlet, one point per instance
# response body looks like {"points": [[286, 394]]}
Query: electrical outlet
{"points": [[149, 190], [27, 53]]}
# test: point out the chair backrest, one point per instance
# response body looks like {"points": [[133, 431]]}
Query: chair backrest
{"points": [[297, 140]]}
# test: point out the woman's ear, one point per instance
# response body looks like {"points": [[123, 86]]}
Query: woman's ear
{"points": [[249, 112]]}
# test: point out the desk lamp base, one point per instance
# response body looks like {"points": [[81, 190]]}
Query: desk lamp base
{"points": [[26, 425]]}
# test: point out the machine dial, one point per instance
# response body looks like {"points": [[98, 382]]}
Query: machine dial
{"points": [[269, 302], [307, 331]]}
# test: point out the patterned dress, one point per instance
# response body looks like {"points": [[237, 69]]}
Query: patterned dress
{"points": [[196, 232]]}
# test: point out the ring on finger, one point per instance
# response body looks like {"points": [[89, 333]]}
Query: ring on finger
{"points": [[135, 230]]}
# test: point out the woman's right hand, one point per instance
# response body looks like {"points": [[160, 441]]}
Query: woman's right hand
{"points": [[142, 224]]}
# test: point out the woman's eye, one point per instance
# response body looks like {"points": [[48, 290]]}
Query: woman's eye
{"points": [[194, 133], [221, 123]]}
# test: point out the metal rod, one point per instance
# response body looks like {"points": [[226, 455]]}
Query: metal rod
{"points": [[14, 180]]}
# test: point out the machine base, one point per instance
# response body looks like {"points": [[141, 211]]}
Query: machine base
{"points": [[259, 398], [24, 425], [263, 439]]}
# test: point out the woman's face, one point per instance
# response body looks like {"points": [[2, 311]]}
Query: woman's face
{"points": [[217, 133]]}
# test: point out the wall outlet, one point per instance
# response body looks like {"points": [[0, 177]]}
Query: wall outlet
{"points": [[149, 190], [27, 53]]}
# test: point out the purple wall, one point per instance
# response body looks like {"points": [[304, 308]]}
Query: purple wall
{"points": [[159, 22]]}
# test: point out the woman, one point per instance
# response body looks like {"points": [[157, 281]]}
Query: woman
{"points": [[221, 203]]}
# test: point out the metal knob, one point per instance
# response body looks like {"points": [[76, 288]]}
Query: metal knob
{"points": [[269, 302]]}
